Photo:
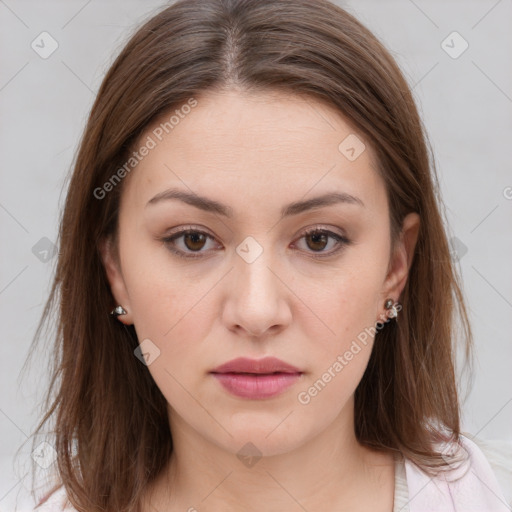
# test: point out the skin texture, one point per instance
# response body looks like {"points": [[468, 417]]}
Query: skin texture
{"points": [[257, 152]]}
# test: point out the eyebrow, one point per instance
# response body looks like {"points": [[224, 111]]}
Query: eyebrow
{"points": [[209, 205]]}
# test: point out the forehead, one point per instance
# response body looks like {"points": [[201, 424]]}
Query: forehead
{"points": [[252, 146]]}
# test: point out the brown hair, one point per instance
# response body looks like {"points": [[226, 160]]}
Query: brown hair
{"points": [[111, 430]]}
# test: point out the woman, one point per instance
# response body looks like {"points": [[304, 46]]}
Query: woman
{"points": [[254, 205]]}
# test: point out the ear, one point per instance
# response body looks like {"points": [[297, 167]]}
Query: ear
{"points": [[112, 266], [401, 260]]}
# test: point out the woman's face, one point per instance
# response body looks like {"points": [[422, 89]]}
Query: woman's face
{"points": [[249, 281]]}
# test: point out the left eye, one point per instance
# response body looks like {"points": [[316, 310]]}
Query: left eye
{"points": [[194, 240], [317, 240]]}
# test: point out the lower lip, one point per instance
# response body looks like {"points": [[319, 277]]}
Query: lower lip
{"points": [[256, 386]]}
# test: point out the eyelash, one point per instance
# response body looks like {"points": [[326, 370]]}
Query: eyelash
{"points": [[340, 239]]}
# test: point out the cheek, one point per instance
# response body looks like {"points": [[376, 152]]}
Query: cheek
{"points": [[348, 306], [340, 355], [171, 314], [345, 302], [167, 302]]}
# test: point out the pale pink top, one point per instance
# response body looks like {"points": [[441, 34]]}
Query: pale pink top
{"points": [[483, 484]]}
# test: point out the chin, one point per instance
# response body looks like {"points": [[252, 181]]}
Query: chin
{"points": [[266, 436]]}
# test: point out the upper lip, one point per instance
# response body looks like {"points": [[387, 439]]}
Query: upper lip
{"points": [[265, 365]]}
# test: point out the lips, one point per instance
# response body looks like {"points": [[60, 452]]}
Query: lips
{"points": [[266, 366], [256, 379]]}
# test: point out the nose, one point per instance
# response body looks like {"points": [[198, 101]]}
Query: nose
{"points": [[258, 300]]}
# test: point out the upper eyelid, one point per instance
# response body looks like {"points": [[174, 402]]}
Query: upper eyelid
{"points": [[186, 229]]}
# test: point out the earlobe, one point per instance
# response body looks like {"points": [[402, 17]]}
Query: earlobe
{"points": [[115, 278]]}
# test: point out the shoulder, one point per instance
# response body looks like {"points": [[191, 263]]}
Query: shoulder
{"points": [[480, 479], [499, 455], [55, 501]]}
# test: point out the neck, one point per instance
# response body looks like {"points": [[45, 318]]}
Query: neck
{"points": [[330, 470]]}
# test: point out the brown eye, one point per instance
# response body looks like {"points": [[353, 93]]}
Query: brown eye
{"points": [[188, 243], [194, 240], [318, 240]]}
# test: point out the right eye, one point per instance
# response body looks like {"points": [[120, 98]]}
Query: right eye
{"points": [[193, 240]]}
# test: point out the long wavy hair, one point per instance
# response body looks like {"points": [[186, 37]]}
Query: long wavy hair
{"points": [[109, 420]]}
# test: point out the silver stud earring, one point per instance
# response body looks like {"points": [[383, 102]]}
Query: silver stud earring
{"points": [[118, 310], [391, 308]]}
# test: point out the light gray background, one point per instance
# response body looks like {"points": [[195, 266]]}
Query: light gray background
{"points": [[466, 104]]}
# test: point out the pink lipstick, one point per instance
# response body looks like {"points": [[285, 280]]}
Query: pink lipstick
{"points": [[256, 378]]}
